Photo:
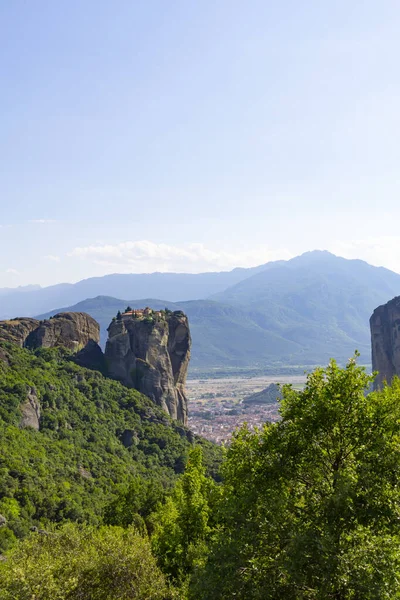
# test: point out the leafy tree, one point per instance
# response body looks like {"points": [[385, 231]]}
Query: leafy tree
{"points": [[119, 316], [135, 504], [128, 309], [181, 527], [78, 563], [311, 505]]}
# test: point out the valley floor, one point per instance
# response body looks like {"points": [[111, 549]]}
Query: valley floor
{"points": [[216, 406]]}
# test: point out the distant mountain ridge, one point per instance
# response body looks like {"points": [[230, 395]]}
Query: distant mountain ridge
{"points": [[297, 312], [19, 290], [174, 286]]}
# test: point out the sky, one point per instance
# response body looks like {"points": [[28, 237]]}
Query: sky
{"points": [[195, 136]]}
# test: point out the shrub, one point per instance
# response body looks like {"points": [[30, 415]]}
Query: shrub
{"points": [[81, 563]]}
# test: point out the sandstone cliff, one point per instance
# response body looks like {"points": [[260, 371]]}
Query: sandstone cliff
{"points": [[71, 330], [385, 341], [17, 330], [152, 355], [149, 354]]}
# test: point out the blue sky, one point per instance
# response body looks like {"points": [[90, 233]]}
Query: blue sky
{"points": [[189, 136]]}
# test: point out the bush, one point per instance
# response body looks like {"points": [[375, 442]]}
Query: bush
{"points": [[82, 563]]}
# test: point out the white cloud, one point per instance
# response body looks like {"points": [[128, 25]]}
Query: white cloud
{"points": [[41, 221], [146, 256], [12, 271], [52, 257], [378, 251]]}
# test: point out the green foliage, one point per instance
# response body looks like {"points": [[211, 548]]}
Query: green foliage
{"points": [[75, 563], [134, 504], [308, 508], [76, 465], [182, 526], [310, 505]]}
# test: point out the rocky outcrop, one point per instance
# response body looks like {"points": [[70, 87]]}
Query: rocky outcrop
{"points": [[270, 395], [70, 330], [78, 332], [385, 341], [152, 355], [30, 410], [17, 330]]}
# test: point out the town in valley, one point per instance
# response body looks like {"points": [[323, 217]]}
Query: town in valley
{"points": [[217, 407]]}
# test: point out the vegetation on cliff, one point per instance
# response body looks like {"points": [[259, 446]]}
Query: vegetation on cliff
{"points": [[97, 440]]}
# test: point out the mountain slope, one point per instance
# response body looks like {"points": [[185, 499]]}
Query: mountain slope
{"points": [[94, 438], [174, 286], [297, 312], [222, 335], [319, 300]]}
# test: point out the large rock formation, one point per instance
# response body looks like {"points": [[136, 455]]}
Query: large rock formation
{"points": [[17, 330], [385, 341], [71, 330], [152, 355]]}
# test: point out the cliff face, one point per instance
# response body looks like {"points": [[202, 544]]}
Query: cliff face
{"points": [[385, 341], [149, 354], [17, 330], [71, 330], [152, 356]]}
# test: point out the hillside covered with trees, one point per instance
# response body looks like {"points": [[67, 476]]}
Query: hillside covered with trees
{"points": [[305, 508], [97, 440]]}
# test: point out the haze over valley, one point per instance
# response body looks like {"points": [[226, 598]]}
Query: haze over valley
{"points": [[280, 316]]}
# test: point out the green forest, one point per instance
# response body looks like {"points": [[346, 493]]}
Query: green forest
{"points": [[111, 500]]}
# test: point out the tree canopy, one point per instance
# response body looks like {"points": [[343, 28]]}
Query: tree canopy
{"points": [[311, 505], [79, 563], [306, 508], [80, 466]]}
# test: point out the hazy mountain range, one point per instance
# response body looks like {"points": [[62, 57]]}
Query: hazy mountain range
{"points": [[174, 286], [297, 312]]}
